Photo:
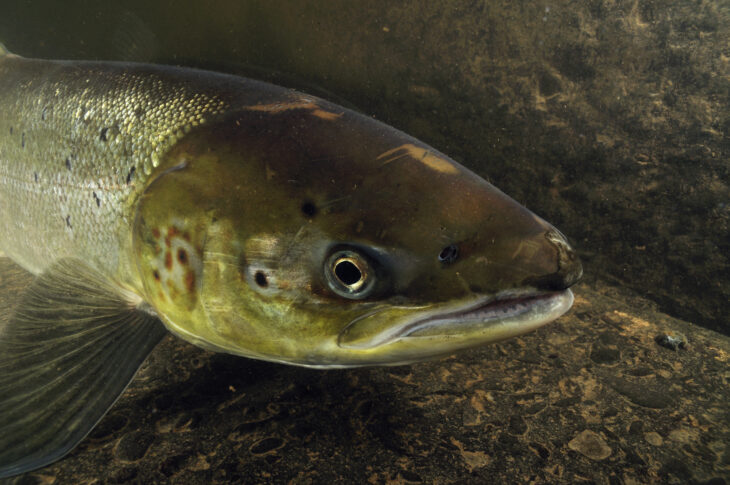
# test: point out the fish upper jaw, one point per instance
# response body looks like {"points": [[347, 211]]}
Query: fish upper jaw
{"points": [[451, 327]]}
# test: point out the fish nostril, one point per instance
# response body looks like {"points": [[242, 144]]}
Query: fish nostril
{"points": [[567, 270], [572, 271], [570, 268]]}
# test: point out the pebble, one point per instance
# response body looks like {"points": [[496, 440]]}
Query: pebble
{"points": [[591, 445], [654, 438], [672, 340], [133, 446]]}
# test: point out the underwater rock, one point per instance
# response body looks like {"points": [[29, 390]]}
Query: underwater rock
{"points": [[590, 444]]}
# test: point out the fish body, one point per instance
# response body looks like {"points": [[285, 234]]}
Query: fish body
{"points": [[80, 140], [247, 218]]}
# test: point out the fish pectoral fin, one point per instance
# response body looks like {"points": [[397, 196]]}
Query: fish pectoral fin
{"points": [[71, 348]]}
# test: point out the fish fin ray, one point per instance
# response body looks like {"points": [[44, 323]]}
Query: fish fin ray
{"points": [[45, 414]]}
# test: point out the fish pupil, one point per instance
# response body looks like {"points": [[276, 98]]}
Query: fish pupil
{"points": [[348, 273]]}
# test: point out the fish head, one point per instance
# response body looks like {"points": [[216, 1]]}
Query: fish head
{"points": [[305, 233]]}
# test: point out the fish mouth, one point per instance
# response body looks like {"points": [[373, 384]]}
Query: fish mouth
{"points": [[458, 325]]}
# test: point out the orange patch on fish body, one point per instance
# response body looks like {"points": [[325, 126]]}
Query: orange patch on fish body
{"points": [[422, 155], [301, 103]]}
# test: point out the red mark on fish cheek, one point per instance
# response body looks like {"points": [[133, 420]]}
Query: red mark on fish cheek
{"points": [[171, 290], [172, 231], [168, 260], [190, 281], [182, 256]]}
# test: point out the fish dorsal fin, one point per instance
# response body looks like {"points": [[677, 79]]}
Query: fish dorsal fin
{"points": [[66, 355]]}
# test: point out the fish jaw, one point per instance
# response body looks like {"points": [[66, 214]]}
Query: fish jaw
{"points": [[404, 335], [393, 335]]}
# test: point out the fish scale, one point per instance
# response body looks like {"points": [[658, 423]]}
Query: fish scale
{"points": [[77, 144]]}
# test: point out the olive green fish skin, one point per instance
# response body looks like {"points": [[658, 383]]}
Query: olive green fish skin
{"points": [[264, 222], [374, 190], [78, 142]]}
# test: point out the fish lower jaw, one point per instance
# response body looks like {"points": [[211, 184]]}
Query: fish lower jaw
{"points": [[477, 322], [512, 316]]}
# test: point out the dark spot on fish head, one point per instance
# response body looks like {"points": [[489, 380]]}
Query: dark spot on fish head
{"points": [[309, 209], [156, 275], [103, 133], [449, 254], [68, 163], [182, 256], [261, 279]]}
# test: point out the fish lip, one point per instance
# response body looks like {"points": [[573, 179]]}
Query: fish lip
{"points": [[518, 311], [492, 309]]}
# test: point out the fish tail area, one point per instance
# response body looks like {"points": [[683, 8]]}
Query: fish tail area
{"points": [[65, 356]]}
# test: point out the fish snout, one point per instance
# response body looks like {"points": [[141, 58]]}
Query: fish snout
{"points": [[569, 267]]}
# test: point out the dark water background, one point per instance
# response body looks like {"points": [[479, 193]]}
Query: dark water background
{"points": [[609, 119]]}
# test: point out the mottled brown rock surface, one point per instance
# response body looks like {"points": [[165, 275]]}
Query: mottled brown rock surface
{"points": [[591, 398]]}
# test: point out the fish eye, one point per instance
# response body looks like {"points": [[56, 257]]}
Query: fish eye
{"points": [[350, 274]]}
